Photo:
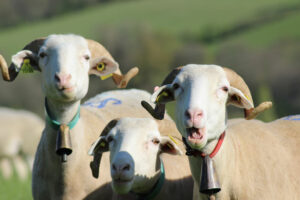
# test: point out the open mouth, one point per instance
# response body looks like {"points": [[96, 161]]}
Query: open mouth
{"points": [[196, 135]]}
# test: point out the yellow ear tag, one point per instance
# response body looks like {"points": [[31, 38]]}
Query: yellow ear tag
{"points": [[26, 67], [100, 68], [102, 144], [172, 139], [163, 94], [247, 97], [105, 77]]}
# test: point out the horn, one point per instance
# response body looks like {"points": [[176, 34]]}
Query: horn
{"points": [[97, 50], [9, 74], [95, 163], [238, 82], [209, 183], [159, 111]]}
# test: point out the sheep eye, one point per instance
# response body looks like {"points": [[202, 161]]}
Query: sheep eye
{"points": [[87, 57], [42, 55], [155, 141], [176, 86], [225, 89], [109, 139]]}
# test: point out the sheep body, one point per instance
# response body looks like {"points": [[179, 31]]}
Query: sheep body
{"points": [[257, 160], [19, 136], [75, 174]]}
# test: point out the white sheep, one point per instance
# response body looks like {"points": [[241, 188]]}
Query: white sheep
{"points": [[20, 133], [257, 160], [142, 161], [65, 62]]}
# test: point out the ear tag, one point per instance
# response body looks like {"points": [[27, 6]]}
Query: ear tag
{"points": [[247, 97], [26, 67], [100, 68], [105, 77], [102, 144], [163, 94], [173, 139]]}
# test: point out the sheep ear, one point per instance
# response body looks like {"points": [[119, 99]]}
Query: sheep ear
{"points": [[237, 98], [100, 146], [103, 67], [25, 61], [168, 146], [163, 94]]}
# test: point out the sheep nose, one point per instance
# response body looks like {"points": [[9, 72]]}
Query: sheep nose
{"points": [[62, 79], [120, 168], [194, 115]]}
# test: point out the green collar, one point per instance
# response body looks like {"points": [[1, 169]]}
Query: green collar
{"points": [[157, 187], [55, 124]]}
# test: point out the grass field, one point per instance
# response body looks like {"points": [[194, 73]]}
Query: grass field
{"points": [[14, 189], [177, 18]]}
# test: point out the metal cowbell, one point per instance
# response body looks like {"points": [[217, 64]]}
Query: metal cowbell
{"points": [[63, 142], [209, 182]]}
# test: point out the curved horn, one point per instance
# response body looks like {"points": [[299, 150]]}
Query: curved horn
{"points": [[159, 111], [9, 74], [97, 50], [238, 82]]}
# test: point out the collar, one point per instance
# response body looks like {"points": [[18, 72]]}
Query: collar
{"points": [[157, 187], [193, 152], [55, 124]]}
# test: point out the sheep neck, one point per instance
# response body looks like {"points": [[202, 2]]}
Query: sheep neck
{"points": [[62, 113], [194, 152], [156, 188]]}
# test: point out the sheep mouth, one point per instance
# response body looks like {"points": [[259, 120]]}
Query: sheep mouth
{"points": [[122, 181], [196, 135]]}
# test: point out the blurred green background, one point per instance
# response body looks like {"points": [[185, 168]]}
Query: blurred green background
{"points": [[260, 39]]}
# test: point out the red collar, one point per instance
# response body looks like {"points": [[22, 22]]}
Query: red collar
{"points": [[193, 152]]}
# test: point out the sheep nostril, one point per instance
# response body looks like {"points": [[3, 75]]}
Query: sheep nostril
{"points": [[114, 167], [57, 78], [187, 114], [126, 167]]}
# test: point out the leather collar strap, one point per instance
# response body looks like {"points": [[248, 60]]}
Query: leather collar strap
{"points": [[157, 187], [55, 124], [193, 152]]}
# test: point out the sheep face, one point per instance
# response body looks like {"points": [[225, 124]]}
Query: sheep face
{"points": [[65, 62], [135, 145], [201, 93]]}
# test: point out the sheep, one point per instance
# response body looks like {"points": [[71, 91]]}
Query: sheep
{"points": [[142, 161], [256, 160], [19, 136], [65, 61]]}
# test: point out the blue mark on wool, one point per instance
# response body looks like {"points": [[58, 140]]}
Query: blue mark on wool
{"points": [[292, 117], [103, 103]]}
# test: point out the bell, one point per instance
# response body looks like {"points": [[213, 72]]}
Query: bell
{"points": [[209, 183], [63, 142]]}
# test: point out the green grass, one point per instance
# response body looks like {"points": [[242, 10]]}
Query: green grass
{"points": [[174, 17], [14, 189]]}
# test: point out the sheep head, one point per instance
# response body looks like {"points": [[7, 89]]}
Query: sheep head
{"points": [[65, 62], [202, 93], [134, 145]]}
